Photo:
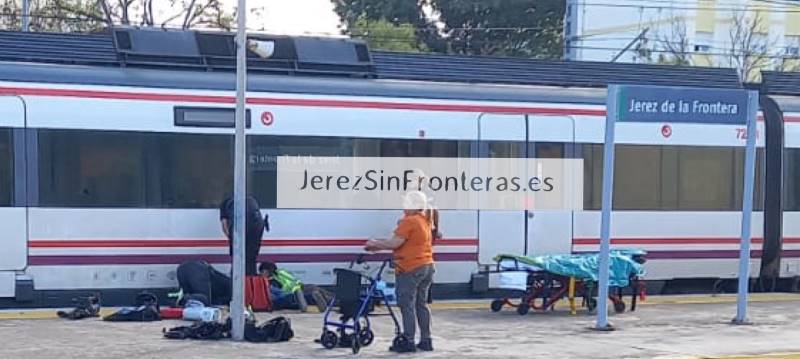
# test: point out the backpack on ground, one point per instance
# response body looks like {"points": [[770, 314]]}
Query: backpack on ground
{"points": [[200, 331], [85, 307], [275, 330], [147, 310], [256, 292]]}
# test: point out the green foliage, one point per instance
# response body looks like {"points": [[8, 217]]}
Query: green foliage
{"points": [[95, 15], [526, 28], [384, 35], [53, 15]]}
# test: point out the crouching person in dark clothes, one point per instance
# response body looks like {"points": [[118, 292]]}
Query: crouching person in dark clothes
{"points": [[200, 281], [413, 257], [255, 225]]}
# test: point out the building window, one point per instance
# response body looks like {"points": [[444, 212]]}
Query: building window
{"points": [[703, 41], [792, 46]]}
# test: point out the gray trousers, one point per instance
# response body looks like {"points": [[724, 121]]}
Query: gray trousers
{"points": [[412, 298]]}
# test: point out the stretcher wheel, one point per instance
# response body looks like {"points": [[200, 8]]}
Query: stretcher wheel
{"points": [[497, 305], [329, 339], [366, 336], [619, 306], [523, 307]]}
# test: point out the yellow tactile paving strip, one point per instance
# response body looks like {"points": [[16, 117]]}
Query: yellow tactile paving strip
{"points": [[484, 304]]}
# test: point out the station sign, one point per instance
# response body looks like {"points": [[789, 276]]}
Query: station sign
{"points": [[681, 104]]}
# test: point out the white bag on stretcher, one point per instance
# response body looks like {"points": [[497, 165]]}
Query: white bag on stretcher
{"points": [[513, 280]]}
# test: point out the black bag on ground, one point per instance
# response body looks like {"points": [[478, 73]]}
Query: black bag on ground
{"points": [[147, 310], [200, 331], [85, 307], [275, 330]]}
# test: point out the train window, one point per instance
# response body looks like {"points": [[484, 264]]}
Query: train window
{"points": [[705, 178], [6, 167], [671, 178], [190, 171], [423, 148], [548, 150], [263, 150], [637, 177], [791, 176], [505, 149], [91, 169], [592, 155]]}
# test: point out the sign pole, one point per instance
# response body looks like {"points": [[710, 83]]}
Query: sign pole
{"points": [[239, 185], [608, 198], [747, 209]]}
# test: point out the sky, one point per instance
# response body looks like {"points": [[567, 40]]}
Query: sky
{"points": [[292, 17]]}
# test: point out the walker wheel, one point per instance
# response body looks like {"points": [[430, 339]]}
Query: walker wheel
{"points": [[619, 306], [497, 305], [523, 307], [366, 336], [329, 339]]}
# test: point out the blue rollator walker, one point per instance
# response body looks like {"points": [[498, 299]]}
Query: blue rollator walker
{"points": [[355, 295]]}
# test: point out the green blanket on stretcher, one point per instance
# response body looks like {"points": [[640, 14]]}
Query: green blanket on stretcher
{"points": [[622, 265]]}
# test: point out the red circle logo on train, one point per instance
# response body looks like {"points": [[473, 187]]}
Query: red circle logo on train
{"points": [[666, 131], [266, 118]]}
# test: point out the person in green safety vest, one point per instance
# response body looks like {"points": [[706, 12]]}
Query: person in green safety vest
{"points": [[284, 284]]}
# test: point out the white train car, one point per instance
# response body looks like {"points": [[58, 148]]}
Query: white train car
{"points": [[114, 157]]}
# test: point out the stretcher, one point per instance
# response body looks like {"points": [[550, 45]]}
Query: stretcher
{"points": [[540, 282]]}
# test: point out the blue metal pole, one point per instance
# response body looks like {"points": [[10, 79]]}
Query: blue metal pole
{"points": [[747, 209], [608, 197]]}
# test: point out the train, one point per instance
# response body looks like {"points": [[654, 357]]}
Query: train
{"points": [[116, 150]]}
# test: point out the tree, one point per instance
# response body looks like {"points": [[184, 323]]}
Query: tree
{"points": [[749, 45], [384, 35], [394, 11], [675, 46], [53, 15], [527, 28], [94, 15]]}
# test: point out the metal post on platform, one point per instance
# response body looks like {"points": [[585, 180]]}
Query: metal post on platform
{"points": [[747, 209], [607, 201], [239, 185]]}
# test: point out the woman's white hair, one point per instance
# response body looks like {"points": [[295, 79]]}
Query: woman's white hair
{"points": [[415, 200]]}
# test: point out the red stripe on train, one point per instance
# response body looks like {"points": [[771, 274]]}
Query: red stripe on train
{"points": [[677, 240], [168, 243], [120, 95]]}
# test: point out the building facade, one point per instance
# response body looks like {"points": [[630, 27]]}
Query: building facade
{"points": [[745, 34]]}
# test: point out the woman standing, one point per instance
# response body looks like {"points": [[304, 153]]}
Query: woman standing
{"points": [[412, 249]]}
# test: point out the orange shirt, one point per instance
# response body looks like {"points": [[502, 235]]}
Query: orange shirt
{"points": [[417, 250]]}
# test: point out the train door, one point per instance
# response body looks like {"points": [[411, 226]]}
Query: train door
{"points": [[13, 214], [550, 231], [524, 232], [501, 231]]}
